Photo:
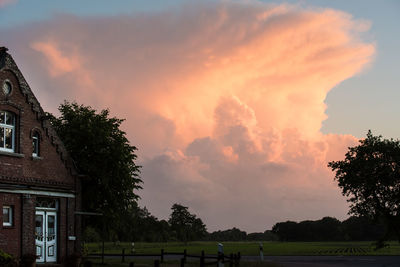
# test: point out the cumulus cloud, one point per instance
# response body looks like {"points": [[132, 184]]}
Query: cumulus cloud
{"points": [[225, 101]]}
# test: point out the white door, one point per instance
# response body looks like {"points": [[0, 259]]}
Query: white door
{"points": [[51, 236], [46, 236], [39, 235]]}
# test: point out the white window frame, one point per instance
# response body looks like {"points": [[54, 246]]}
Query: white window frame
{"points": [[12, 128], [10, 216]]}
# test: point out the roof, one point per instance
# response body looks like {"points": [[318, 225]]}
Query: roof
{"points": [[8, 63]]}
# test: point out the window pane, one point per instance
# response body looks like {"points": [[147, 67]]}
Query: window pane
{"points": [[35, 143], [6, 216], [9, 118], [1, 137], [9, 133], [51, 225], [46, 202], [39, 225], [2, 115]]}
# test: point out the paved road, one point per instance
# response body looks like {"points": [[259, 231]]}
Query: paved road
{"points": [[330, 261]]}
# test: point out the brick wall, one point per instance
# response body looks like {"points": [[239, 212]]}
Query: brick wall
{"points": [[10, 235], [50, 165], [52, 170], [28, 224]]}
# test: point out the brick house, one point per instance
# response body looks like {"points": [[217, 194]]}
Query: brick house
{"points": [[39, 186]]}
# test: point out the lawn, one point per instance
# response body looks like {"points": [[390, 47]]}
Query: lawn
{"points": [[251, 248], [189, 263]]}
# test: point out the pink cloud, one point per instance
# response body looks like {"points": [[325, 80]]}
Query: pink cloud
{"points": [[224, 101], [58, 64], [4, 3]]}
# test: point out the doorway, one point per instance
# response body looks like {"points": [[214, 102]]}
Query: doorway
{"points": [[46, 234]]}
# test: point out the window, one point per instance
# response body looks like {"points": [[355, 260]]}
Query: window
{"points": [[7, 131], [7, 216], [47, 203], [7, 88], [36, 144]]}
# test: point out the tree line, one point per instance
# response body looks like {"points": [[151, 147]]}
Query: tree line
{"points": [[139, 225], [330, 229], [369, 177], [183, 226]]}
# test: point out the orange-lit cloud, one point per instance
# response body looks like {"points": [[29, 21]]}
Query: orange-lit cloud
{"points": [[225, 101], [58, 64]]}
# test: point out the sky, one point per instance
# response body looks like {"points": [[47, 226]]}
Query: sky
{"points": [[236, 106]]}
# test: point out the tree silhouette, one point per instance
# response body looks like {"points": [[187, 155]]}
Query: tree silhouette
{"points": [[185, 225], [370, 176]]}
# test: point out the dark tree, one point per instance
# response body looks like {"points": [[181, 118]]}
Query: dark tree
{"points": [[233, 234], [103, 154], [370, 176], [185, 225], [286, 231], [140, 225], [361, 229], [328, 229]]}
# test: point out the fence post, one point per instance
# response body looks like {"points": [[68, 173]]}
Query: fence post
{"points": [[231, 260], [183, 262], [102, 252], [102, 241], [132, 247], [202, 259], [156, 263], [261, 252], [123, 255], [238, 258], [131, 264], [162, 255], [221, 259], [184, 254]]}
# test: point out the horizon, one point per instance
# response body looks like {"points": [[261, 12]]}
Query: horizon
{"points": [[236, 106]]}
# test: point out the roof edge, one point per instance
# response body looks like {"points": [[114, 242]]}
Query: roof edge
{"points": [[10, 64]]}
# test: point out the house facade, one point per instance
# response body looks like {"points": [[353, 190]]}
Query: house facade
{"points": [[39, 187]]}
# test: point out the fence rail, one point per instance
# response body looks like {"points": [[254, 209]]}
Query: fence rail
{"points": [[232, 259]]}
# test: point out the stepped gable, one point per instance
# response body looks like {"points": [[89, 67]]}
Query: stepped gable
{"points": [[8, 63]]}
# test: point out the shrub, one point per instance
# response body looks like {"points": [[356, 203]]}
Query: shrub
{"points": [[6, 259]]}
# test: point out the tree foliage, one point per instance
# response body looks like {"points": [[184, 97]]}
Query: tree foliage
{"points": [[233, 234], [329, 229], [370, 176], [141, 226], [361, 229], [186, 226], [103, 154]]}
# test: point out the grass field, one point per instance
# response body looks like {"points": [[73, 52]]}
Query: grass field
{"points": [[189, 263], [252, 248]]}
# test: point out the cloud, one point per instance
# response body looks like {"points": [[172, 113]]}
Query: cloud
{"points": [[4, 3], [58, 64], [225, 101]]}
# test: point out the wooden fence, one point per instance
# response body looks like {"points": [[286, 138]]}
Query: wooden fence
{"points": [[204, 260]]}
